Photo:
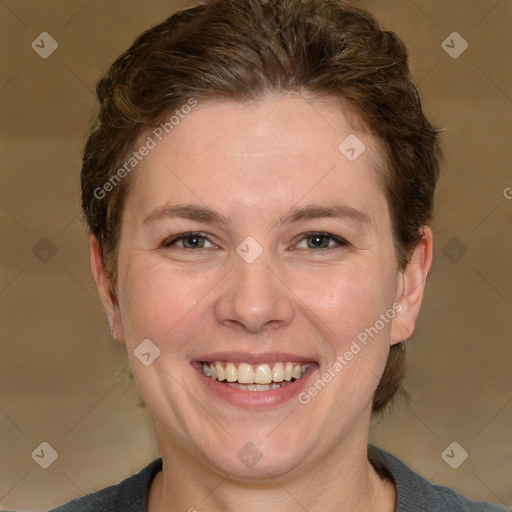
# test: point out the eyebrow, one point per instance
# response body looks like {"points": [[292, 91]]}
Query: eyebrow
{"points": [[189, 211], [296, 214], [336, 211]]}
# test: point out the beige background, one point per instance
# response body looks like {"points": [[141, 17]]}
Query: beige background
{"points": [[63, 380]]}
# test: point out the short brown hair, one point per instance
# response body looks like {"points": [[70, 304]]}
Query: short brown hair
{"points": [[243, 50]]}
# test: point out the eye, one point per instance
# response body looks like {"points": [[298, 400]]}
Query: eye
{"points": [[314, 240], [320, 240], [191, 240]]}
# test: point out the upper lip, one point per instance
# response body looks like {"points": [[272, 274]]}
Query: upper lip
{"points": [[251, 358]]}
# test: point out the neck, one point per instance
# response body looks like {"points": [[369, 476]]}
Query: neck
{"points": [[344, 481]]}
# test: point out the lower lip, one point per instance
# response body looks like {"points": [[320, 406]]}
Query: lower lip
{"points": [[256, 399]]}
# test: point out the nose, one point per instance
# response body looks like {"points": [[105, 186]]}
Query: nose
{"points": [[254, 297]]}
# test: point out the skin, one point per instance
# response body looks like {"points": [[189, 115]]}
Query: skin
{"points": [[253, 164]]}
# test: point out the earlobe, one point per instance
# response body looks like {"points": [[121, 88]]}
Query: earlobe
{"points": [[411, 288], [105, 287]]}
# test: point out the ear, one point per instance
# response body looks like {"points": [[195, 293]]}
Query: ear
{"points": [[410, 288], [106, 289]]}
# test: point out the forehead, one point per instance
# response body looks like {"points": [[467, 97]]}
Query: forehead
{"points": [[267, 155]]}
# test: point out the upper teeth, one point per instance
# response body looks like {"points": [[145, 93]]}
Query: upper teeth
{"points": [[246, 373]]}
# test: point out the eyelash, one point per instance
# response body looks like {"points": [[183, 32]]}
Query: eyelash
{"points": [[339, 241]]}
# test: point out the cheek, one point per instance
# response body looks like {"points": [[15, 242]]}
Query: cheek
{"points": [[345, 301], [159, 302], [350, 310]]}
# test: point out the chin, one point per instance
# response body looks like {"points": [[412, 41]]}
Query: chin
{"points": [[257, 460]]}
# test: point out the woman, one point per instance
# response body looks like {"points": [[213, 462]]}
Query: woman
{"points": [[258, 190]]}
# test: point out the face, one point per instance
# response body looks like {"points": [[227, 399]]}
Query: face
{"points": [[251, 243]]}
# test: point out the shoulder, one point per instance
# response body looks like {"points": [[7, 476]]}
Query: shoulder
{"points": [[130, 495], [415, 494]]}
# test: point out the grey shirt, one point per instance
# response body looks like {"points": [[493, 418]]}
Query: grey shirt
{"points": [[414, 493]]}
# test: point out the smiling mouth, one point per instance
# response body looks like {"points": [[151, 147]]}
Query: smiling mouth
{"points": [[260, 377]]}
